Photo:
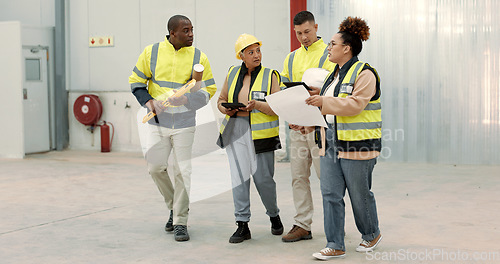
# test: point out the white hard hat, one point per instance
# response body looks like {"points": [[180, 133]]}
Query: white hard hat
{"points": [[315, 77]]}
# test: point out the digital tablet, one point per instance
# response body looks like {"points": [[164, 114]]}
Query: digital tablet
{"points": [[233, 105], [291, 84]]}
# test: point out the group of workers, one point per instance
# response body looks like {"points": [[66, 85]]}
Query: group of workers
{"points": [[343, 154]]}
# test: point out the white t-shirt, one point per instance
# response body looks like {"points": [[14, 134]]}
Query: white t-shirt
{"points": [[330, 92]]}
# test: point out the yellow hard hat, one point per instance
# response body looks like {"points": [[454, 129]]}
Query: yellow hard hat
{"points": [[243, 41]]}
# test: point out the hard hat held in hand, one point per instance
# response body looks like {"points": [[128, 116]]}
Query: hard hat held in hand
{"points": [[243, 41], [315, 77]]}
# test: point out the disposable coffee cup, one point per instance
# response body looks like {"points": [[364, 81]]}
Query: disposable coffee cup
{"points": [[198, 72], [198, 76]]}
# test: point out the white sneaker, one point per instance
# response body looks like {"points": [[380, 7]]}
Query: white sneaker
{"points": [[328, 253], [366, 246]]}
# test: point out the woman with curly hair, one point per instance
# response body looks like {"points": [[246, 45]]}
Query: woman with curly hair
{"points": [[350, 103]]}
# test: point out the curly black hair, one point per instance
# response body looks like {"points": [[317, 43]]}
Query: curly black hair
{"points": [[354, 30]]}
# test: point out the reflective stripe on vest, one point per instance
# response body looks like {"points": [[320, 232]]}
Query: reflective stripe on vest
{"points": [[230, 79], [368, 123], [323, 58], [140, 74], [290, 64], [262, 125], [175, 85], [224, 123], [154, 59]]}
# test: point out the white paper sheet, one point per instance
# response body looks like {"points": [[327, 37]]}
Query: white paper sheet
{"points": [[290, 105]]}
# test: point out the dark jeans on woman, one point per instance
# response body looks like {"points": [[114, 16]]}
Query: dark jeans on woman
{"points": [[337, 175]]}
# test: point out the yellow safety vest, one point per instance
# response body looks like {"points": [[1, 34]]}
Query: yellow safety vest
{"points": [[301, 59], [262, 125], [165, 75], [367, 124]]}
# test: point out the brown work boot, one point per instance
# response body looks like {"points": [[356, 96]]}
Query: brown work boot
{"points": [[296, 233]]}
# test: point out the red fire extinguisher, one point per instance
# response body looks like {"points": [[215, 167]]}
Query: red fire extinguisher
{"points": [[105, 141]]}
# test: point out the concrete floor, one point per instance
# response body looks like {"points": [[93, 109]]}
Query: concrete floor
{"points": [[91, 207]]}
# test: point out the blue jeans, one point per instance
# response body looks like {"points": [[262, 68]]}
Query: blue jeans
{"points": [[355, 175]]}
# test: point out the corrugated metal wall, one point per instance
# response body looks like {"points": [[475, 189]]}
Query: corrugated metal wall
{"points": [[439, 62]]}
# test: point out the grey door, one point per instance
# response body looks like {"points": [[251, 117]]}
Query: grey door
{"points": [[36, 101]]}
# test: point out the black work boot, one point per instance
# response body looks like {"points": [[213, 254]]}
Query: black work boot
{"points": [[169, 227], [181, 233], [276, 225], [241, 234]]}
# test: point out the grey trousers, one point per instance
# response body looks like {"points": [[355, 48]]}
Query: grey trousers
{"points": [[243, 163]]}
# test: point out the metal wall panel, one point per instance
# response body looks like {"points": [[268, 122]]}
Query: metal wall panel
{"points": [[439, 63]]}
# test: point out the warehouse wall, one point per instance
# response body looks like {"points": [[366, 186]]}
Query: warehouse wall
{"points": [[135, 24], [32, 25], [29, 12], [11, 101], [439, 64]]}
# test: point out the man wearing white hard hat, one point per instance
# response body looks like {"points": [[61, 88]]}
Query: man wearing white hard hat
{"points": [[303, 150], [250, 134]]}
